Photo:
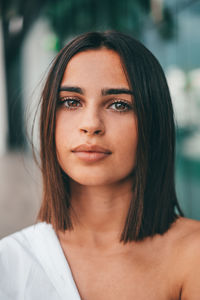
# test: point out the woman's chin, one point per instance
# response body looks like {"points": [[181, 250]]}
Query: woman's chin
{"points": [[92, 180]]}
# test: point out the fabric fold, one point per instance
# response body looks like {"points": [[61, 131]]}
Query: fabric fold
{"points": [[33, 263]]}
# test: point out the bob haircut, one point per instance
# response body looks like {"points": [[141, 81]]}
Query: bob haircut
{"points": [[154, 206]]}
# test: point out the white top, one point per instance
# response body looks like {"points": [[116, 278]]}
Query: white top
{"points": [[33, 266]]}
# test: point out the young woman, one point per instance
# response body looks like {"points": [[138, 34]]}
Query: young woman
{"points": [[109, 226]]}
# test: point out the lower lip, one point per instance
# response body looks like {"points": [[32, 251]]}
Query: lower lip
{"points": [[91, 156]]}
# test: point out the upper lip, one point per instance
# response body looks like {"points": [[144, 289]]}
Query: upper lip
{"points": [[90, 148]]}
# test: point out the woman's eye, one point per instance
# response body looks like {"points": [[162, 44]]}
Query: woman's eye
{"points": [[118, 106], [121, 106], [70, 103]]}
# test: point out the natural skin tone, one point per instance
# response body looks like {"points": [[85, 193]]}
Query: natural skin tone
{"points": [[160, 268]]}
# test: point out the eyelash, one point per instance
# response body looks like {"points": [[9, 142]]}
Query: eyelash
{"points": [[125, 103]]}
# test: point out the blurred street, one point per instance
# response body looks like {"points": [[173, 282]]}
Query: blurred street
{"points": [[20, 187]]}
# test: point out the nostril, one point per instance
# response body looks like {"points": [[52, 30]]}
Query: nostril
{"points": [[84, 130], [91, 131], [97, 131]]}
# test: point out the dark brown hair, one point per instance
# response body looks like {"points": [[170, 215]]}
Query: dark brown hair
{"points": [[154, 206]]}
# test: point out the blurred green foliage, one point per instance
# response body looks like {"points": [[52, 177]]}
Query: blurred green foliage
{"points": [[76, 16]]}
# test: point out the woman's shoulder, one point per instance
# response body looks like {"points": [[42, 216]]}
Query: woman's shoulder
{"points": [[185, 235], [187, 230], [21, 238], [22, 264], [186, 242], [18, 249], [16, 246]]}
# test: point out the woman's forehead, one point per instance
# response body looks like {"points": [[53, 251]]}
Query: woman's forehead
{"points": [[97, 66]]}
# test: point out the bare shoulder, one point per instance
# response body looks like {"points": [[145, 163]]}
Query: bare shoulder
{"points": [[187, 233], [186, 237]]}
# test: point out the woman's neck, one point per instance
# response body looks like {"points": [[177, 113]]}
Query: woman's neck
{"points": [[99, 212]]}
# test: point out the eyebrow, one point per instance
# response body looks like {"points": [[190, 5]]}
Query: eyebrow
{"points": [[104, 92], [116, 91], [71, 89]]}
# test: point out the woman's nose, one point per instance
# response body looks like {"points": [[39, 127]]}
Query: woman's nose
{"points": [[92, 123]]}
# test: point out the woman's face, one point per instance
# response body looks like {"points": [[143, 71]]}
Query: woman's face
{"points": [[96, 109]]}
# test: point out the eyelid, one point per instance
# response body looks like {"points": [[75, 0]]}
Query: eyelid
{"points": [[63, 98], [114, 100], [130, 105], [108, 102]]}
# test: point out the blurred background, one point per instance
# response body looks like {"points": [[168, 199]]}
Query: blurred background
{"points": [[33, 31]]}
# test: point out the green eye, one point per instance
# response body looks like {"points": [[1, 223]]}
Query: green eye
{"points": [[121, 106]]}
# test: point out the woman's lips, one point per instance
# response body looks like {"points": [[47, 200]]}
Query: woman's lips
{"points": [[91, 156], [90, 148], [91, 153]]}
